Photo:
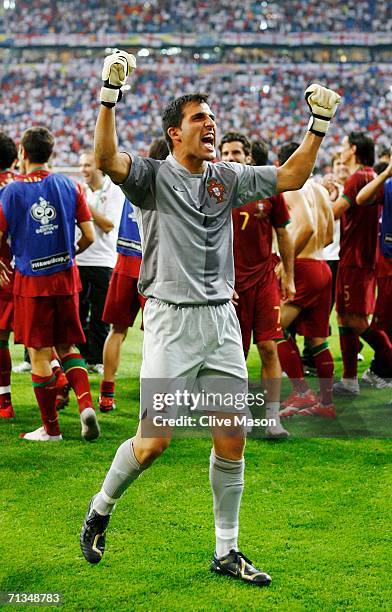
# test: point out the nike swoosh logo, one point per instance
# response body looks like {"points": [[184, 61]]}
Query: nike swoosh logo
{"points": [[83, 394], [178, 189]]}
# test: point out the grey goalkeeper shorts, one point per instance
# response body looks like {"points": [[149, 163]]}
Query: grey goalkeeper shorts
{"points": [[193, 359]]}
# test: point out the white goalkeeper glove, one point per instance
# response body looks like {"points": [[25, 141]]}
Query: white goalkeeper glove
{"points": [[116, 68], [323, 103]]}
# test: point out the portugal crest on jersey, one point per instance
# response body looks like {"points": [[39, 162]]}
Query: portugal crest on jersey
{"points": [[216, 190]]}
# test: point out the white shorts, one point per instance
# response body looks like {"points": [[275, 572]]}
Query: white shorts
{"points": [[192, 349]]}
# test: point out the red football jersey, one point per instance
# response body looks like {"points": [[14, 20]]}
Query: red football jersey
{"points": [[359, 224], [253, 239], [7, 177]]}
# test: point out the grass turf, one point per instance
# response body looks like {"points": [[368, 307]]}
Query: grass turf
{"points": [[315, 513]]}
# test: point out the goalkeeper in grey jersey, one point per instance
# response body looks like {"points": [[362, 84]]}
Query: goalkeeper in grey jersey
{"points": [[192, 336]]}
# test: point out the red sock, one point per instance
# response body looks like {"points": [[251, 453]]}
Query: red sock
{"points": [[5, 373], [107, 388], [290, 360], [380, 343], [45, 390], [75, 370], [349, 346], [324, 365]]}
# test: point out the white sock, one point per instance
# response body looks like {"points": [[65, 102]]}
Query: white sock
{"points": [[124, 470], [227, 483], [103, 504]]}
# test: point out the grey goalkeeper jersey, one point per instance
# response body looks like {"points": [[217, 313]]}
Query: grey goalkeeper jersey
{"points": [[185, 225]]}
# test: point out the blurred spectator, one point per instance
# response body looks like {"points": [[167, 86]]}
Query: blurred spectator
{"points": [[206, 16], [266, 102]]}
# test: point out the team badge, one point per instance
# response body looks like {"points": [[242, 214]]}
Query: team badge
{"points": [[43, 211], [216, 190]]}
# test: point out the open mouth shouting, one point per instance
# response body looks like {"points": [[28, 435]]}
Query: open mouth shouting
{"points": [[208, 141]]}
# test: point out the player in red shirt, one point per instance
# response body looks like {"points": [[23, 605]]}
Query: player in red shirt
{"points": [[39, 212], [256, 283], [356, 278], [8, 155], [378, 372]]}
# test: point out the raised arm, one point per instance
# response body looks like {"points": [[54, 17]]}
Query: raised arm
{"points": [[116, 68], [113, 163], [297, 169], [368, 193]]}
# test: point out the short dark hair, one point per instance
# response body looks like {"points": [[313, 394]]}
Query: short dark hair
{"points": [[259, 152], [38, 142], [158, 149], [173, 115], [236, 137], [8, 151], [365, 153], [380, 167], [385, 152], [286, 151]]}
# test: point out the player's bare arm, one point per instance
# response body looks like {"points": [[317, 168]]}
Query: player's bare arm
{"points": [[297, 169], [87, 237], [286, 250], [368, 194], [105, 224], [330, 228], [339, 207], [5, 272], [117, 67]]}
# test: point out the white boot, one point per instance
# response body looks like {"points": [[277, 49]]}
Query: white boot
{"points": [[41, 435]]}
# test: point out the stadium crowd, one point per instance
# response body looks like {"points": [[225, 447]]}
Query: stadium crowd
{"points": [[249, 236], [163, 16], [196, 239], [265, 100]]}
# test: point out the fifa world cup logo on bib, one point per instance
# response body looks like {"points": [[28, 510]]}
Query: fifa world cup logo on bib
{"points": [[216, 190], [43, 211]]}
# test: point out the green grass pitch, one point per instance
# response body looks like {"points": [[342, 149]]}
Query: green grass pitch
{"points": [[316, 511]]}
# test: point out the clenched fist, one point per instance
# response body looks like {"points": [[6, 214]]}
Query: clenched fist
{"points": [[323, 103], [116, 68]]}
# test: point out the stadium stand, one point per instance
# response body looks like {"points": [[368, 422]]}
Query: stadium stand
{"points": [[163, 16], [256, 59], [260, 99]]}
